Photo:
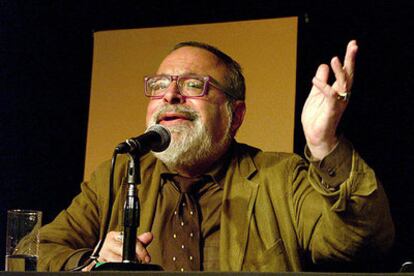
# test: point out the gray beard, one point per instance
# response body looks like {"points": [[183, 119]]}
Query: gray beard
{"points": [[191, 145]]}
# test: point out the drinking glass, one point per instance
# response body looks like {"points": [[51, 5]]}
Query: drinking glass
{"points": [[22, 239]]}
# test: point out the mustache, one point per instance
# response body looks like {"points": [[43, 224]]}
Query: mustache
{"points": [[188, 112]]}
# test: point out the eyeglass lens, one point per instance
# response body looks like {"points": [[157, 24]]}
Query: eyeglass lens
{"points": [[188, 86]]}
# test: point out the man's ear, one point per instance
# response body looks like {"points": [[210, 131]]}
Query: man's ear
{"points": [[239, 109]]}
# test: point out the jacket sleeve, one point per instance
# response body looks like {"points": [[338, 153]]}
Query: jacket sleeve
{"points": [[340, 209], [73, 233]]}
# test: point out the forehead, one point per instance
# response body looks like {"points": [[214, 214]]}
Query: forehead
{"points": [[193, 60]]}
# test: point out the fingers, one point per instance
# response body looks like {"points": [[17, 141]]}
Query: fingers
{"points": [[350, 55], [341, 77], [321, 78], [112, 248], [145, 238], [323, 87], [89, 267], [140, 248], [343, 73], [322, 73]]}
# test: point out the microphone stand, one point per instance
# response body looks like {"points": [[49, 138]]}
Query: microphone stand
{"points": [[131, 223]]}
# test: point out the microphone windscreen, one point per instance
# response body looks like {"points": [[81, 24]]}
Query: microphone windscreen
{"points": [[164, 135]]}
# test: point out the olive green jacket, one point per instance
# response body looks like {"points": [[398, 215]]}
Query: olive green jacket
{"points": [[276, 210]]}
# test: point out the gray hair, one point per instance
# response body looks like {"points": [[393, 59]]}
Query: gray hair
{"points": [[235, 87]]}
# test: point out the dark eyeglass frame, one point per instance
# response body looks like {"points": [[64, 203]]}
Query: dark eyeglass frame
{"points": [[207, 81]]}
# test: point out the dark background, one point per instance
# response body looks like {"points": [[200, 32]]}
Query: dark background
{"points": [[46, 59]]}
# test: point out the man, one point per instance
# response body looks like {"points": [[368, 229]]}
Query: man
{"points": [[255, 211]]}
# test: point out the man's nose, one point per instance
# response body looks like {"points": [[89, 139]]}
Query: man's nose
{"points": [[172, 95]]}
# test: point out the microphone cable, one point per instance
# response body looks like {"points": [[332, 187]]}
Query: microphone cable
{"points": [[95, 253]]}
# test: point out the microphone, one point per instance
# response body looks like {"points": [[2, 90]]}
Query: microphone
{"points": [[156, 138]]}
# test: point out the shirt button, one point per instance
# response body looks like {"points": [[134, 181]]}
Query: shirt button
{"points": [[191, 235], [174, 259], [191, 258], [191, 213], [175, 236], [182, 223], [182, 246], [182, 269]]}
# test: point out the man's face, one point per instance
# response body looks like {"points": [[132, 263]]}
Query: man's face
{"points": [[211, 108]]}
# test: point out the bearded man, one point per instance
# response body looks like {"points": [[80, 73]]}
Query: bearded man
{"points": [[239, 209]]}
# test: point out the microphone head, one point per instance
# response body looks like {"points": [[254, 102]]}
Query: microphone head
{"points": [[164, 135]]}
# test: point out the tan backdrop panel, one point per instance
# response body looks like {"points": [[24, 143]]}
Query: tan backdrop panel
{"points": [[266, 49]]}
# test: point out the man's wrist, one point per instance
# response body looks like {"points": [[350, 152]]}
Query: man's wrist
{"points": [[336, 166], [321, 150]]}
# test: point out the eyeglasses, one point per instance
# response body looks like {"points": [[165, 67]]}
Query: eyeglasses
{"points": [[189, 86]]}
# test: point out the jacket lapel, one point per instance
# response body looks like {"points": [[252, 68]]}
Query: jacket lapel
{"points": [[238, 202]]}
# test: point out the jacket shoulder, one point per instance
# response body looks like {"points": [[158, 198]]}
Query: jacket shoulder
{"points": [[264, 159]]}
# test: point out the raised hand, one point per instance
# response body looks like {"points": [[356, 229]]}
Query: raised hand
{"points": [[326, 103]]}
